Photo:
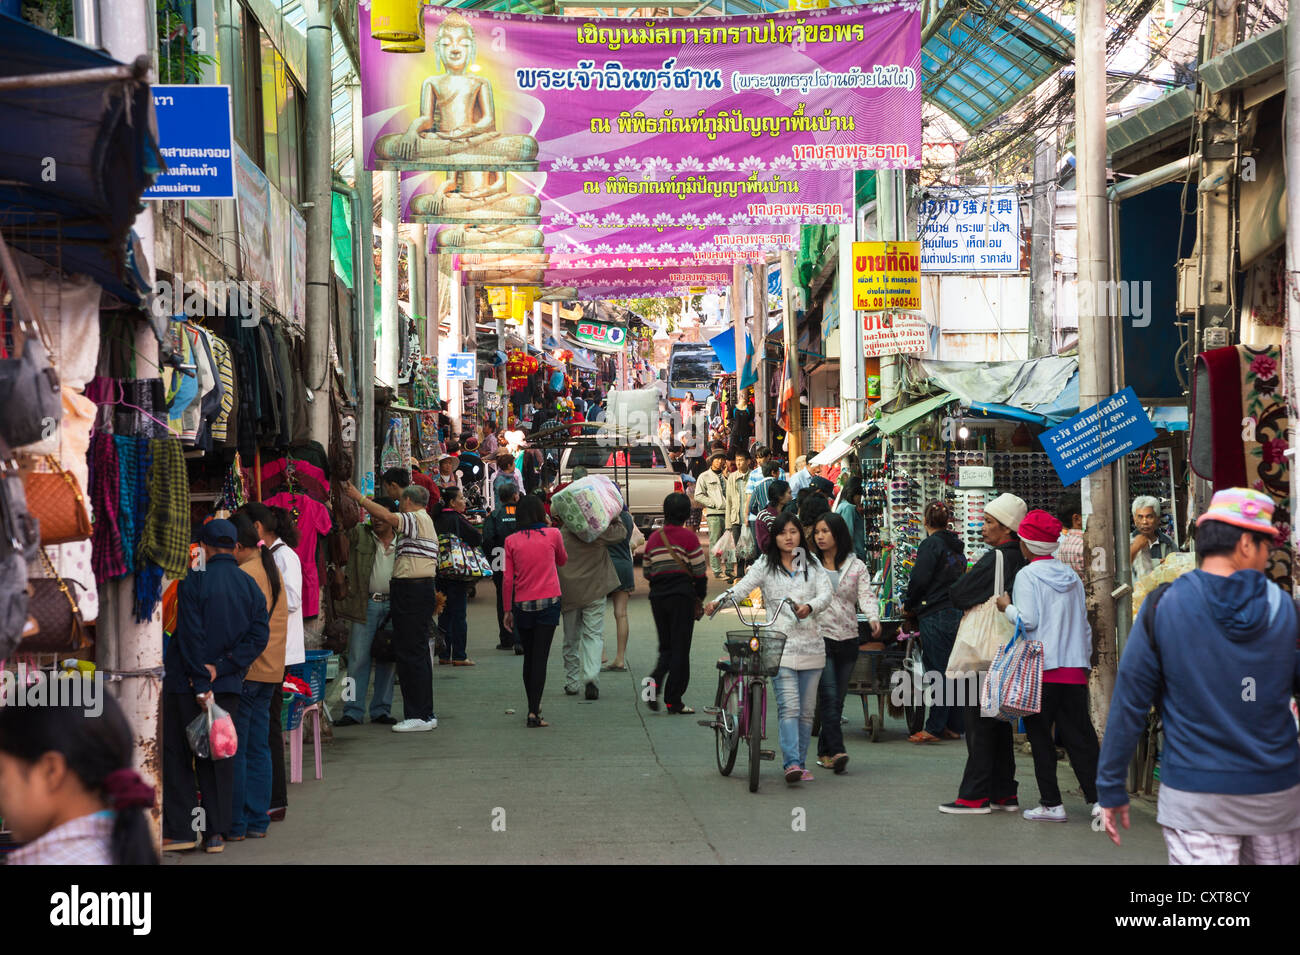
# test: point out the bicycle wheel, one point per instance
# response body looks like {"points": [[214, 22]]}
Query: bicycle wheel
{"points": [[757, 693], [727, 741]]}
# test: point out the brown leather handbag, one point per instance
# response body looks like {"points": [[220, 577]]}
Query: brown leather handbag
{"points": [[55, 499], [54, 604]]}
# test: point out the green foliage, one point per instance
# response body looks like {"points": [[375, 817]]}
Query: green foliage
{"points": [[178, 62], [52, 15]]}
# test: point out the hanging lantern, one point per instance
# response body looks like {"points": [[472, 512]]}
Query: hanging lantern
{"points": [[413, 46], [397, 21]]}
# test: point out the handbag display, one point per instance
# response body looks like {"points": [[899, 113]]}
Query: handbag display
{"points": [[458, 561], [983, 631], [1014, 686], [19, 530], [55, 499], [29, 384], [54, 604]]}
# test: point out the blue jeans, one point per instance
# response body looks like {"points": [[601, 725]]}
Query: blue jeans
{"points": [[359, 663], [251, 790], [841, 658], [453, 617], [938, 634], [796, 704]]}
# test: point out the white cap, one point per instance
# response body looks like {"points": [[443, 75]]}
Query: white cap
{"points": [[1007, 509]]}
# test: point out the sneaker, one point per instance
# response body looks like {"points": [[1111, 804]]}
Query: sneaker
{"points": [[1045, 814], [570, 691], [1007, 805], [414, 726], [593, 693], [384, 720], [463, 663], [957, 808], [347, 721]]}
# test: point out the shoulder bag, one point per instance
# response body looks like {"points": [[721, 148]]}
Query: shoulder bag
{"points": [[983, 631], [55, 499], [54, 604], [29, 384]]}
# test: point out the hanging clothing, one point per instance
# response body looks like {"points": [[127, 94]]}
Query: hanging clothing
{"points": [[226, 375], [313, 521]]}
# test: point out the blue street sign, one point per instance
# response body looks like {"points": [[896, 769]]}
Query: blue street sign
{"points": [[460, 366], [195, 138], [1093, 438]]}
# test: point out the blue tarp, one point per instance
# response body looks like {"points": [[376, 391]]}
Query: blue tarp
{"points": [[75, 161]]}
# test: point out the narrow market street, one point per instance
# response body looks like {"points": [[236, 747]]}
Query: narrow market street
{"points": [[611, 782]]}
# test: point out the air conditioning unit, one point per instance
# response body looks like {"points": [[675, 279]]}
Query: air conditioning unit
{"points": [[1189, 286]]}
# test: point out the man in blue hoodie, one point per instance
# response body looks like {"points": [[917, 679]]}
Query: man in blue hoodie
{"points": [[1218, 657]]}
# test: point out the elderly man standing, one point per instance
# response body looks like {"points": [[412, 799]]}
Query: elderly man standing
{"points": [[587, 579], [1151, 545], [803, 475], [411, 600], [1215, 651]]}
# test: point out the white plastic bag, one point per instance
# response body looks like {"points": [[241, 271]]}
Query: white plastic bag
{"points": [[725, 546], [983, 631], [588, 505], [747, 547]]}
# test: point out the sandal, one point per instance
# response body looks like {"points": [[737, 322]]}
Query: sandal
{"points": [[922, 737], [949, 734], [615, 669], [839, 762], [687, 710], [825, 762], [794, 774], [535, 720]]}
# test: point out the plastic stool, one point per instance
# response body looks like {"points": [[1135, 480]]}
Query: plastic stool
{"points": [[295, 744]]}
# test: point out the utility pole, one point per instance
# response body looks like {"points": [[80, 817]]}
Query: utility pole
{"points": [[794, 442], [1291, 124], [320, 52], [363, 289], [388, 345], [758, 334], [127, 653], [735, 299], [1042, 274], [853, 369], [889, 226], [1097, 489]]}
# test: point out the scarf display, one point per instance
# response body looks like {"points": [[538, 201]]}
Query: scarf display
{"points": [[165, 537], [106, 558]]}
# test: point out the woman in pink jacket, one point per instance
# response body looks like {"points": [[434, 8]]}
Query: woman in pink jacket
{"points": [[533, 556]]}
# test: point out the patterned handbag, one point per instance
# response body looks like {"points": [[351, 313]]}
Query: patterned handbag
{"points": [[1014, 685], [458, 561], [54, 605], [55, 499]]}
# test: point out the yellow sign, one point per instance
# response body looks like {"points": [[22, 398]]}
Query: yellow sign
{"points": [[886, 275], [521, 304]]}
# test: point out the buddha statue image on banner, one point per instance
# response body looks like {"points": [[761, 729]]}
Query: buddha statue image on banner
{"points": [[457, 124]]}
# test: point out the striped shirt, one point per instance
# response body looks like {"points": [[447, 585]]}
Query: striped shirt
{"points": [[81, 841], [417, 546], [1071, 551], [666, 576]]}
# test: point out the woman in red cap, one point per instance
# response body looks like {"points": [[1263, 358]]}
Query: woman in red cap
{"points": [[1047, 604]]}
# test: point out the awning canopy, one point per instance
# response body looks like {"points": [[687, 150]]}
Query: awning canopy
{"points": [[844, 442], [77, 158], [898, 420], [975, 67]]}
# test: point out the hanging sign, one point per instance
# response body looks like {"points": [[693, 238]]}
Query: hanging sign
{"points": [[1095, 437], [601, 336], [196, 140], [460, 366], [970, 231], [894, 333], [886, 275]]}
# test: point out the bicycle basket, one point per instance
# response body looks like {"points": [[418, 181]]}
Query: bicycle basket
{"points": [[764, 661]]}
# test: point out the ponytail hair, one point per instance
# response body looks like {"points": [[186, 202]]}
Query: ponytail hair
{"points": [[97, 750], [277, 520], [246, 535]]}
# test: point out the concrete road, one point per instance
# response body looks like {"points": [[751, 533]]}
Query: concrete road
{"points": [[609, 781]]}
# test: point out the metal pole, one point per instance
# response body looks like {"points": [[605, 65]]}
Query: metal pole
{"points": [[124, 646], [887, 227], [1094, 333], [85, 21], [388, 344], [794, 443], [853, 396], [735, 299], [363, 289], [758, 334], [319, 206], [1041, 272]]}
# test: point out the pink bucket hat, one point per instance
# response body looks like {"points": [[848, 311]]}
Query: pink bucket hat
{"points": [[1242, 507]]}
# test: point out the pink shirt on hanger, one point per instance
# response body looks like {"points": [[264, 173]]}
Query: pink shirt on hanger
{"points": [[313, 520]]}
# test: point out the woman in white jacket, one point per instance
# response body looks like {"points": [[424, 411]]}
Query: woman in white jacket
{"points": [[785, 570], [850, 583]]}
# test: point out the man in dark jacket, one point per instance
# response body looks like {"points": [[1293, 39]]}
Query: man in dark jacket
{"points": [[989, 781], [1217, 655], [500, 524], [221, 628], [940, 562]]}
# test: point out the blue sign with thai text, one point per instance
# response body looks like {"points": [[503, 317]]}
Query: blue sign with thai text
{"points": [[195, 138], [1093, 438]]}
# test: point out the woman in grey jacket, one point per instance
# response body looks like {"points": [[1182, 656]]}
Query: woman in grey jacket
{"points": [[784, 571]]}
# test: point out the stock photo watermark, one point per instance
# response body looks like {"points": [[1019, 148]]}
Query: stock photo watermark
{"points": [[31, 687]]}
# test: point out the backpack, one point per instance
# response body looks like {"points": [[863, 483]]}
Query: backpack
{"points": [[1147, 615]]}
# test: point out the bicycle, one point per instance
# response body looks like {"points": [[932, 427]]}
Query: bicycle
{"points": [[740, 705]]}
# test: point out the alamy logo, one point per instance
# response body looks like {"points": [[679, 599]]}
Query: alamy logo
{"points": [[1117, 299], [76, 908], [208, 300], [29, 687]]}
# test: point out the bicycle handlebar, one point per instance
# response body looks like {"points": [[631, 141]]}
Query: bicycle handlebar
{"points": [[775, 611]]}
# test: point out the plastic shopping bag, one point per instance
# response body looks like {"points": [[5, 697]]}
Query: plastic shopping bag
{"points": [[747, 546], [588, 505], [1014, 685], [724, 547], [983, 631], [211, 734]]}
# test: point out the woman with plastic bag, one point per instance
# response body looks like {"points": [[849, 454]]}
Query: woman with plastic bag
{"points": [[1047, 604], [940, 562], [784, 571], [850, 583], [989, 780]]}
